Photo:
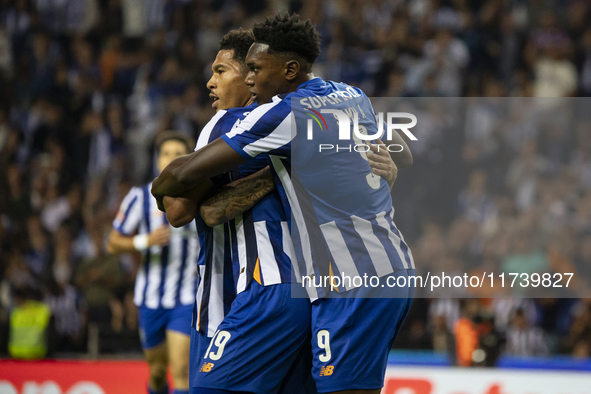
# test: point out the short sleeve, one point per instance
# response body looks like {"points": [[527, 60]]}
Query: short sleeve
{"points": [[267, 129], [130, 212]]}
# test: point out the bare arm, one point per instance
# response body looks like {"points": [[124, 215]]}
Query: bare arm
{"points": [[237, 197], [382, 164], [119, 243], [404, 158], [181, 210], [188, 171]]}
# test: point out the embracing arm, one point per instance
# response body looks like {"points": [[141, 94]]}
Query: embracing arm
{"points": [[402, 159], [182, 209], [237, 197], [186, 172]]}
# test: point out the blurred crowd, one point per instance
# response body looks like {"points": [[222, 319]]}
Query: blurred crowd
{"points": [[86, 85]]}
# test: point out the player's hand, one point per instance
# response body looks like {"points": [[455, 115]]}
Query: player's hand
{"points": [[160, 236], [381, 162]]}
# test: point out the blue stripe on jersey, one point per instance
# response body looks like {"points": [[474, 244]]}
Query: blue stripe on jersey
{"points": [[147, 197], [383, 236], [164, 255], [250, 244], [129, 207], [356, 247], [405, 249], [207, 252], [184, 254]]}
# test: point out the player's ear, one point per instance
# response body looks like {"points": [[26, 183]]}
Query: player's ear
{"points": [[292, 70]]}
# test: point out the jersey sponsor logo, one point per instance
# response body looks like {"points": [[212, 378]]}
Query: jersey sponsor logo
{"points": [[206, 367], [327, 370]]}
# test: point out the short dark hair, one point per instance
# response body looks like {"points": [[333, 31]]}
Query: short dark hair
{"points": [[238, 40], [174, 136], [287, 34]]}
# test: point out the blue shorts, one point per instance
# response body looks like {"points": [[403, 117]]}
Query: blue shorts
{"points": [[155, 322], [352, 335], [298, 380], [257, 343]]}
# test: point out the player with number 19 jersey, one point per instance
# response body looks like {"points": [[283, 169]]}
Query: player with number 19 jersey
{"points": [[248, 331]]}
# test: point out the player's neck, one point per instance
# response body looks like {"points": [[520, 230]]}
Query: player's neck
{"points": [[300, 80]]}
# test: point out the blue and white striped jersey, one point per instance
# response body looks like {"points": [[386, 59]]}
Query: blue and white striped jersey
{"points": [[341, 214], [167, 277], [253, 246]]}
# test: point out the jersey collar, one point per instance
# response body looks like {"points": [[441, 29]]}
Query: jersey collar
{"points": [[313, 81]]}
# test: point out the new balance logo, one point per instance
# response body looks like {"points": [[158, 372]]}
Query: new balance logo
{"points": [[206, 367], [326, 371]]}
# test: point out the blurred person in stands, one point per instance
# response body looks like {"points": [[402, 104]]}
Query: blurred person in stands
{"points": [[166, 281], [548, 52], [31, 326], [524, 339], [449, 56], [65, 301], [477, 341], [465, 333]]}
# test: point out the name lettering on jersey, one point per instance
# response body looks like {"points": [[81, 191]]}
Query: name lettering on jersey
{"points": [[327, 370], [331, 99], [206, 367]]}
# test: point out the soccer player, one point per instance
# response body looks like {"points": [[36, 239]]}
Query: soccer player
{"points": [[280, 62], [166, 281], [247, 258]]}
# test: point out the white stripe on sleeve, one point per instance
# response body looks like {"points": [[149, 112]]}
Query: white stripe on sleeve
{"points": [[207, 129]]}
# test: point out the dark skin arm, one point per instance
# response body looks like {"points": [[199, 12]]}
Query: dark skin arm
{"points": [[182, 209], [382, 164], [186, 172], [237, 197], [401, 159]]}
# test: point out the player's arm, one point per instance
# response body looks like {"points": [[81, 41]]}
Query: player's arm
{"points": [[181, 210], [382, 164], [237, 197], [186, 172], [404, 158], [120, 243], [122, 238], [261, 134]]}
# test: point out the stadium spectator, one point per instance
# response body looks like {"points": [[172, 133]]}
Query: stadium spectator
{"points": [[525, 340]]}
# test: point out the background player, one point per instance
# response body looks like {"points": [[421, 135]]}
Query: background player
{"points": [[165, 283]]}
